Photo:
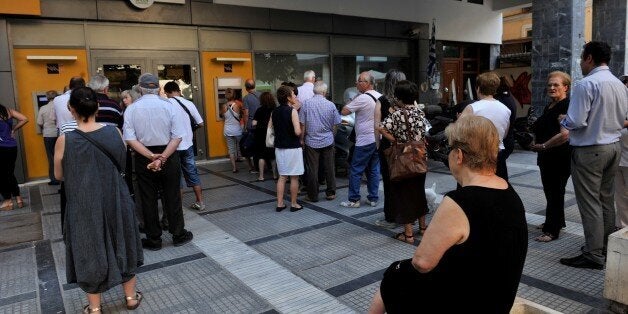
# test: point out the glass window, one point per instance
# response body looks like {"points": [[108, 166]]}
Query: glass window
{"points": [[347, 68], [180, 73], [451, 52], [271, 69], [121, 77]]}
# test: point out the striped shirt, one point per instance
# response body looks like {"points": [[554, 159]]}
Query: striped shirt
{"points": [[109, 111]]}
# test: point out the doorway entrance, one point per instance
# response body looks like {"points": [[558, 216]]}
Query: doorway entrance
{"points": [[124, 67]]}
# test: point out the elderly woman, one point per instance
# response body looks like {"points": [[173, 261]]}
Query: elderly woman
{"points": [[102, 241], [288, 152], [474, 249], [554, 154], [406, 198], [383, 108], [232, 111]]}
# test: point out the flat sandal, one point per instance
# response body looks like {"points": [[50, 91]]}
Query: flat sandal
{"points": [[87, 309]]}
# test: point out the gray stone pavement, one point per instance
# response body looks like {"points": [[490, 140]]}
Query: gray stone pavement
{"points": [[246, 258]]}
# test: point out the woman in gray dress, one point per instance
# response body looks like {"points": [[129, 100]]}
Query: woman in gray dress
{"points": [[102, 240]]}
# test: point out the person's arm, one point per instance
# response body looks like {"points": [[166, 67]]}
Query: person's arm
{"points": [[448, 227], [295, 123], [559, 139], [21, 120], [378, 118], [58, 157], [40, 118], [579, 107], [345, 111], [245, 114]]}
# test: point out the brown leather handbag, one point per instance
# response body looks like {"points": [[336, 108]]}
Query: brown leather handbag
{"points": [[406, 160]]}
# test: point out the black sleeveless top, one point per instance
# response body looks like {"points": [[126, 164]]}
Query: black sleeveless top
{"points": [[284, 130], [487, 267]]}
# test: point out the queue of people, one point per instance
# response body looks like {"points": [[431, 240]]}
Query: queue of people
{"points": [[478, 228]]}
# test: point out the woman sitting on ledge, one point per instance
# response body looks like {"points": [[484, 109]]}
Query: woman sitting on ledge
{"points": [[475, 246]]}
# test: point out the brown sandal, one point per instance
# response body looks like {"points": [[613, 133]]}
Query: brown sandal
{"points": [[404, 237], [138, 297]]}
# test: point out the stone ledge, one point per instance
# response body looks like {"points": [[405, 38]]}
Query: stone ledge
{"points": [[523, 306]]}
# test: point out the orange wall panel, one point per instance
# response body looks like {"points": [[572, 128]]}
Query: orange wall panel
{"points": [[211, 71], [32, 76], [26, 7]]}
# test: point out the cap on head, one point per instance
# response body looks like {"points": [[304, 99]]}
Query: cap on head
{"points": [[148, 80]]}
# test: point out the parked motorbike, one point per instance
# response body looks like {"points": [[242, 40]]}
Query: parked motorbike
{"points": [[523, 131], [438, 117]]}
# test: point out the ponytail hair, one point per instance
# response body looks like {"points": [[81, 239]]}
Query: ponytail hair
{"points": [[83, 100]]}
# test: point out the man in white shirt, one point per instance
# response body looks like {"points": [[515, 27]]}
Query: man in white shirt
{"points": [[188, 115], [60, 103], [494, 110], [365, 157], [306, 91], [151, 129]]}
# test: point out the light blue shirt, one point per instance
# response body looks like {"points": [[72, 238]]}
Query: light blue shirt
{"points": [[152, 121], [597, 109]]}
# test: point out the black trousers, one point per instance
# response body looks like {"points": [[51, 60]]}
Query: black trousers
{"points": [[149, 183], [313, 158], [555, 171], [502, 170], [8, 182]]}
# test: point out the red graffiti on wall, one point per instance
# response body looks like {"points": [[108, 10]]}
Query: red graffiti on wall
{"points": [[520, 89]]}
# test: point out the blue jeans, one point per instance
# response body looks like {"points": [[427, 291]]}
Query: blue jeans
{"points": [[365, 160], [188, 167]]}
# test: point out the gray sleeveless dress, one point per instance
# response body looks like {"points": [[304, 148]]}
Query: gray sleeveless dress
{"points": [[102, 240]]}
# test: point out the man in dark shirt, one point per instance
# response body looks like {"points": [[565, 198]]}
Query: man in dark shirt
{"points": [[109, 111]]}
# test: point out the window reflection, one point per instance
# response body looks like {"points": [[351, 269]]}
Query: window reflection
{"points": [[273, 68], [180, 73], [347, 68], [121, 77]]}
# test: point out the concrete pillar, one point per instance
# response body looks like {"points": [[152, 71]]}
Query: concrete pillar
{"points": [[610, 24], [557, 40]]}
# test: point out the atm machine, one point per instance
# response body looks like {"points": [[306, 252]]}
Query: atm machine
{"points": [[221, 84]]}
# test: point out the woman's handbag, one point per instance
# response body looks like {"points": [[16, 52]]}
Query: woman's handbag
{"points": [[270, 136], [406, 160]]}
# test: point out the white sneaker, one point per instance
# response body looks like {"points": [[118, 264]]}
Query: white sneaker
{"points": [[350, 204], [197, 206], [372, 203]]}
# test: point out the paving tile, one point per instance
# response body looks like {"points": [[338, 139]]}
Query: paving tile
{"points": [[18, 272], [28, 306]]}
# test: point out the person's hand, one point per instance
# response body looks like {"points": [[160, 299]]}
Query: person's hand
{"points": [[537, 147], [155, 165], [561, 117]]}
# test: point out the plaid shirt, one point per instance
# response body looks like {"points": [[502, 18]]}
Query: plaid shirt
{"points": [[319, 116]]}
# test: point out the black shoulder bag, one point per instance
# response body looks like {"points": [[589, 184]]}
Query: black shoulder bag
{"points": [[102, 149], [193, 123]]}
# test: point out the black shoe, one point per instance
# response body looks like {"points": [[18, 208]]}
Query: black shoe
{"points": [[278, 209], [294, 209], [580, 262], [151, 245], [186, 237], [54, 183]]}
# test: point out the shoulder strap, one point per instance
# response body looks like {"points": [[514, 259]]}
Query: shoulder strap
{"points": [[373, 97], [186, 110], [102, 149], [233, 113]]}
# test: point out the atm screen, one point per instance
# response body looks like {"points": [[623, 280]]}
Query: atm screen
{"points": [[41, 100]]}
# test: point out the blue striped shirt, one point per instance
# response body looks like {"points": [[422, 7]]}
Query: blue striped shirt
{"points": [[319, 116]]}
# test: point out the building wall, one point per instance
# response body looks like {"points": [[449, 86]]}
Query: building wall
{"points": [[455, 20]]}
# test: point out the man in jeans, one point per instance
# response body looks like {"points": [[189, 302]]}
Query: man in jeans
{"points": [[319, 117], [188, 115], [365, 157]]}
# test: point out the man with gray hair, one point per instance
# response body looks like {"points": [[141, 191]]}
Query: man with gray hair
{"points": [[365, 157], [109, 111], [152, 130], [319, 117], [306, 91]]}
